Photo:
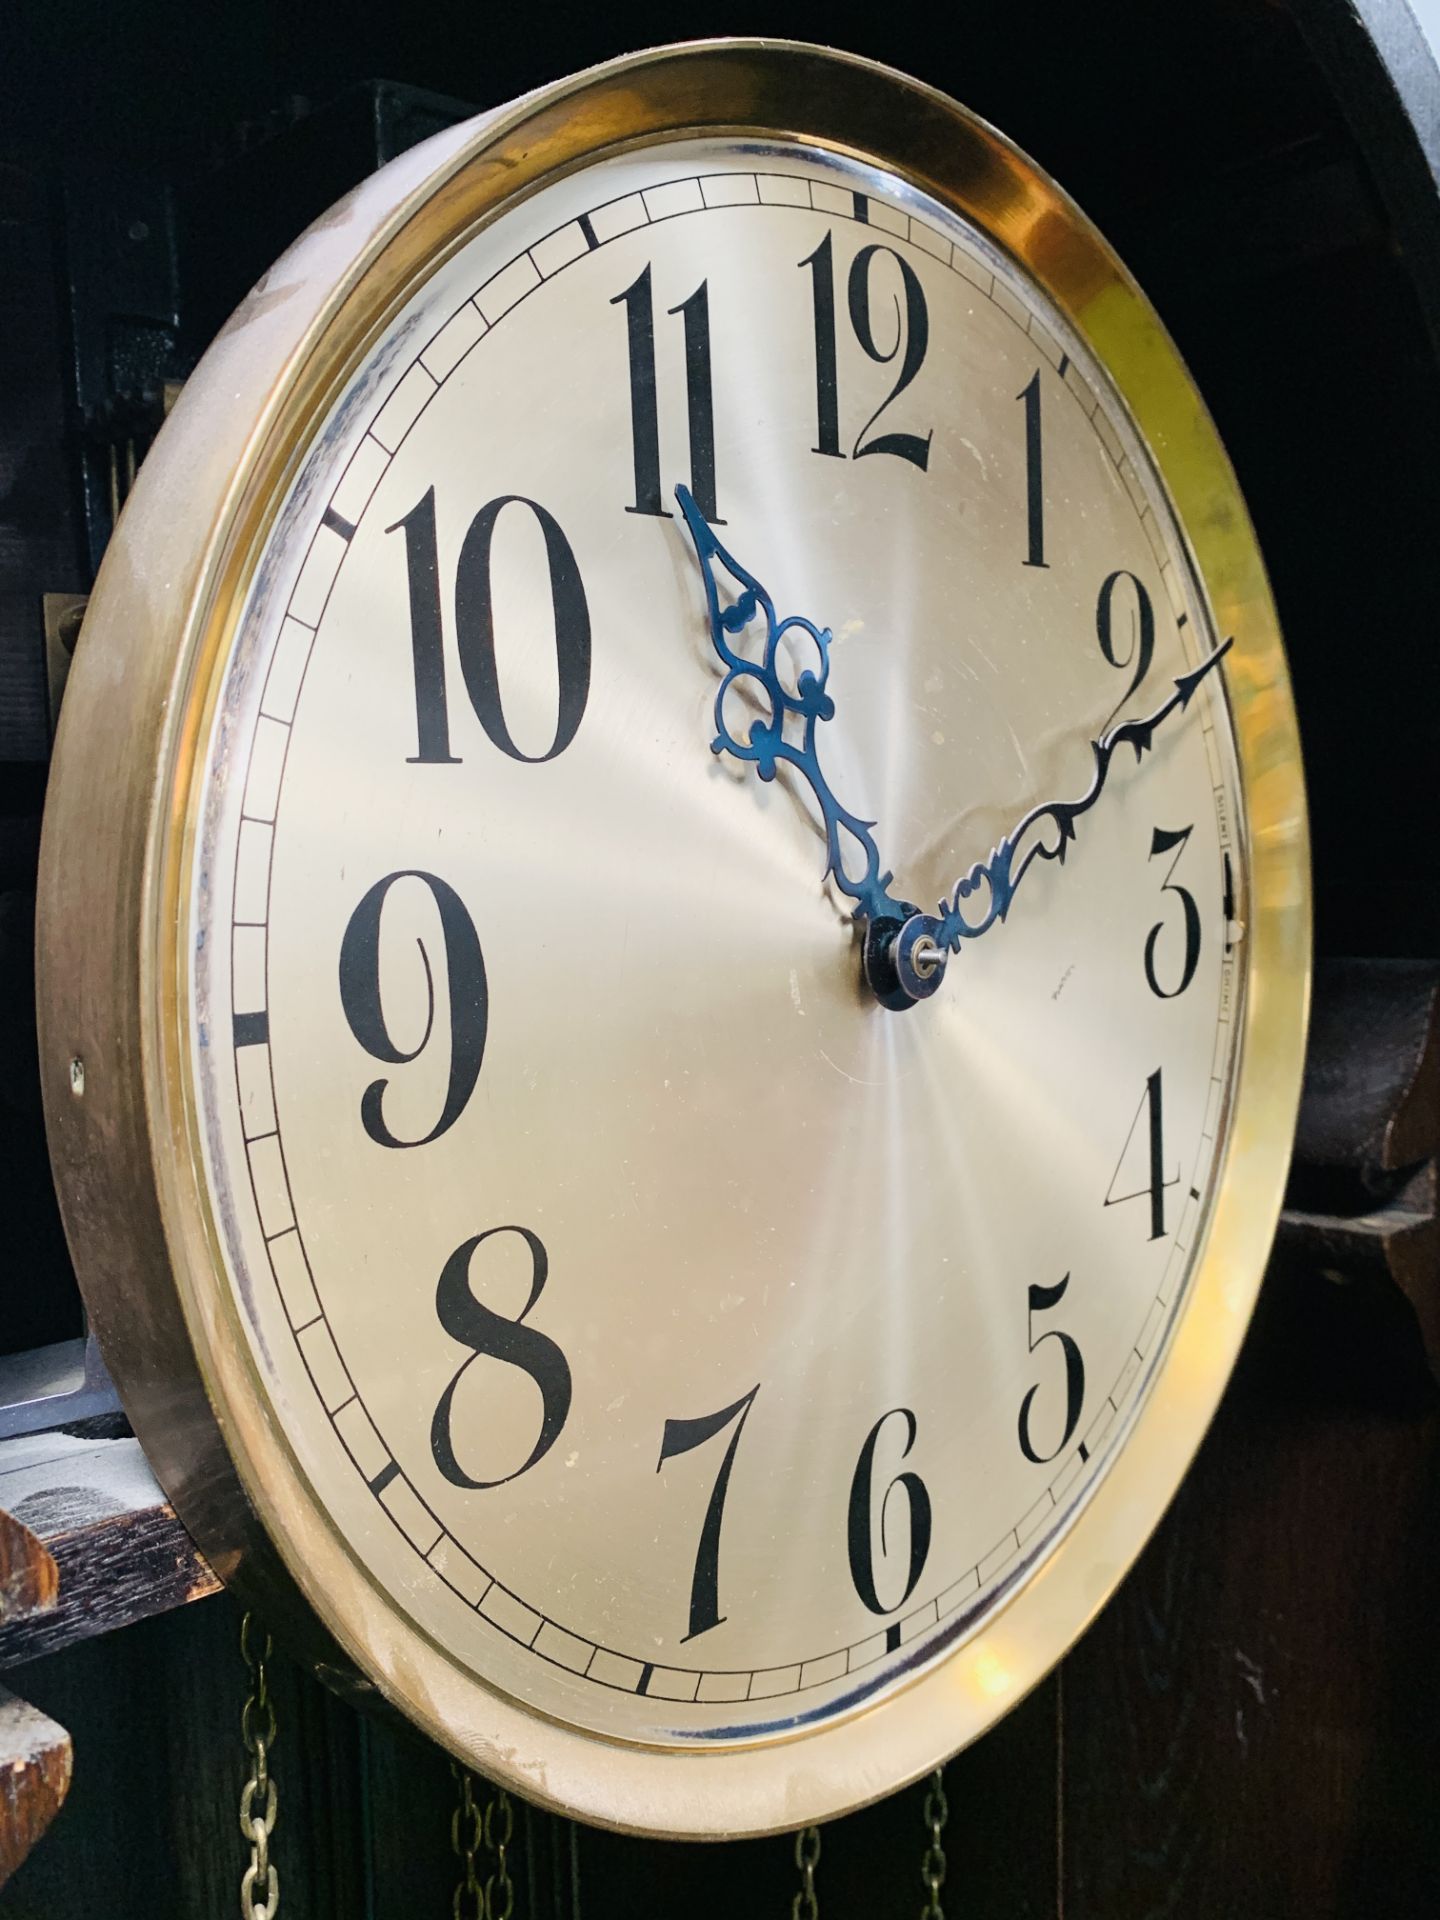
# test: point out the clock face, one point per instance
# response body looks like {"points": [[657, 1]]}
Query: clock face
{"points": [[689, 1345]]}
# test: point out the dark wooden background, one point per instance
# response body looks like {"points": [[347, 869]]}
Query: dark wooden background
{"points": [[1252, 1729]]}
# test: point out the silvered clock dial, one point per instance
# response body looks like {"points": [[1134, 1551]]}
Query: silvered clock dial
{"points": [[677, 878]]}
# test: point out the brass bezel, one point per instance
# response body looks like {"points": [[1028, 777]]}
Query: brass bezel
{"points": [[124, 809]]}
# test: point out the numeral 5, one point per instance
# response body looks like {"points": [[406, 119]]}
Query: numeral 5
{"points": [[1042, 1300]]}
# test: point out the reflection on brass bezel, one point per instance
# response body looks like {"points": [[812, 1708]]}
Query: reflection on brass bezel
{"points": [[119, 834]]}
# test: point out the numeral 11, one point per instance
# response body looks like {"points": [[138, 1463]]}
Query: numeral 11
{"points": [[644, 410]]}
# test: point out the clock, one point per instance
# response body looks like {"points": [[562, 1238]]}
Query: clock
{"points": [[674, 937]]}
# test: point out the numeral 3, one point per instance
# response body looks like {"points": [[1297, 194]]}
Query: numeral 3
{"points": [[1163, 841]]}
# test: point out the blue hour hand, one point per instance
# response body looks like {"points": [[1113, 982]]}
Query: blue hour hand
{"points": [[769, 741]]}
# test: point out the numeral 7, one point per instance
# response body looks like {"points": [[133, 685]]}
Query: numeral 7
{"points": [[680, 1437]]}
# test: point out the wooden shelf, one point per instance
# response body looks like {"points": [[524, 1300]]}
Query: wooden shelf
{"points": [[95, 1544]]}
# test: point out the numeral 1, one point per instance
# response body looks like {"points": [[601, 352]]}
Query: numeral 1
{"points": [[681, 1436], [1034, 473], [827, 392], [639, 305]]}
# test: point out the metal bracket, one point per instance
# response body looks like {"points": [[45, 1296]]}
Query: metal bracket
{"points": [[63, 613], [54, 1386]]}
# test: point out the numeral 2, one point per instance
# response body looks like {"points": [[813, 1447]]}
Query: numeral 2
{"points": [[1142, 642], [912, 334], [475, 630], [476, 1326], [644, 406], [681, 1436], [1151, 1154]]}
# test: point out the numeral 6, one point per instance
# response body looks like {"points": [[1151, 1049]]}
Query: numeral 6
{"points": [[861, 1526]]}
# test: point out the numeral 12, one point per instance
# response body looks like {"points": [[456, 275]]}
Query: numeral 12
{"points": [[912, 336]]}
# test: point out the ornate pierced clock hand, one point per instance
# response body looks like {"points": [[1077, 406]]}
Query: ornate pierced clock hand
{"points": [[766, 746], [999, 873], [905, 950]]}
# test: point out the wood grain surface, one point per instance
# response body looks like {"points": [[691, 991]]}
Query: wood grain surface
{"points": [[115, 1548], [35, 1760]]}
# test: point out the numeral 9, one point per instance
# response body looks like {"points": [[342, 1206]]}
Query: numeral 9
{"points": [[466, 990]]}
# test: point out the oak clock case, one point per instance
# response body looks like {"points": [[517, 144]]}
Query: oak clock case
{"points": [[674, 928]]}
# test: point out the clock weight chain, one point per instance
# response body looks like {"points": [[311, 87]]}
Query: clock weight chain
{"points": [[470, 1831], [805, 1905], [932, 1867], [260, 1883]]}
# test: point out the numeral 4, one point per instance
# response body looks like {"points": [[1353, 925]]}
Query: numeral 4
{"points": [[1144, 1158]]}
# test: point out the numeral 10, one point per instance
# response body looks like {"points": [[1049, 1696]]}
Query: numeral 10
{"points": [[475, 630]]}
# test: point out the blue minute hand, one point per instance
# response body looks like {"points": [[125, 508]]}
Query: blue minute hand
{"points": [[1000, 874], [905, 950]]}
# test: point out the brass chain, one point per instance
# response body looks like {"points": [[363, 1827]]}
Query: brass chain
{"points": [[470, 1831], [932, 1867], [499, 1831], [467, 1837], [805, 1905], [260, 1884]]}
